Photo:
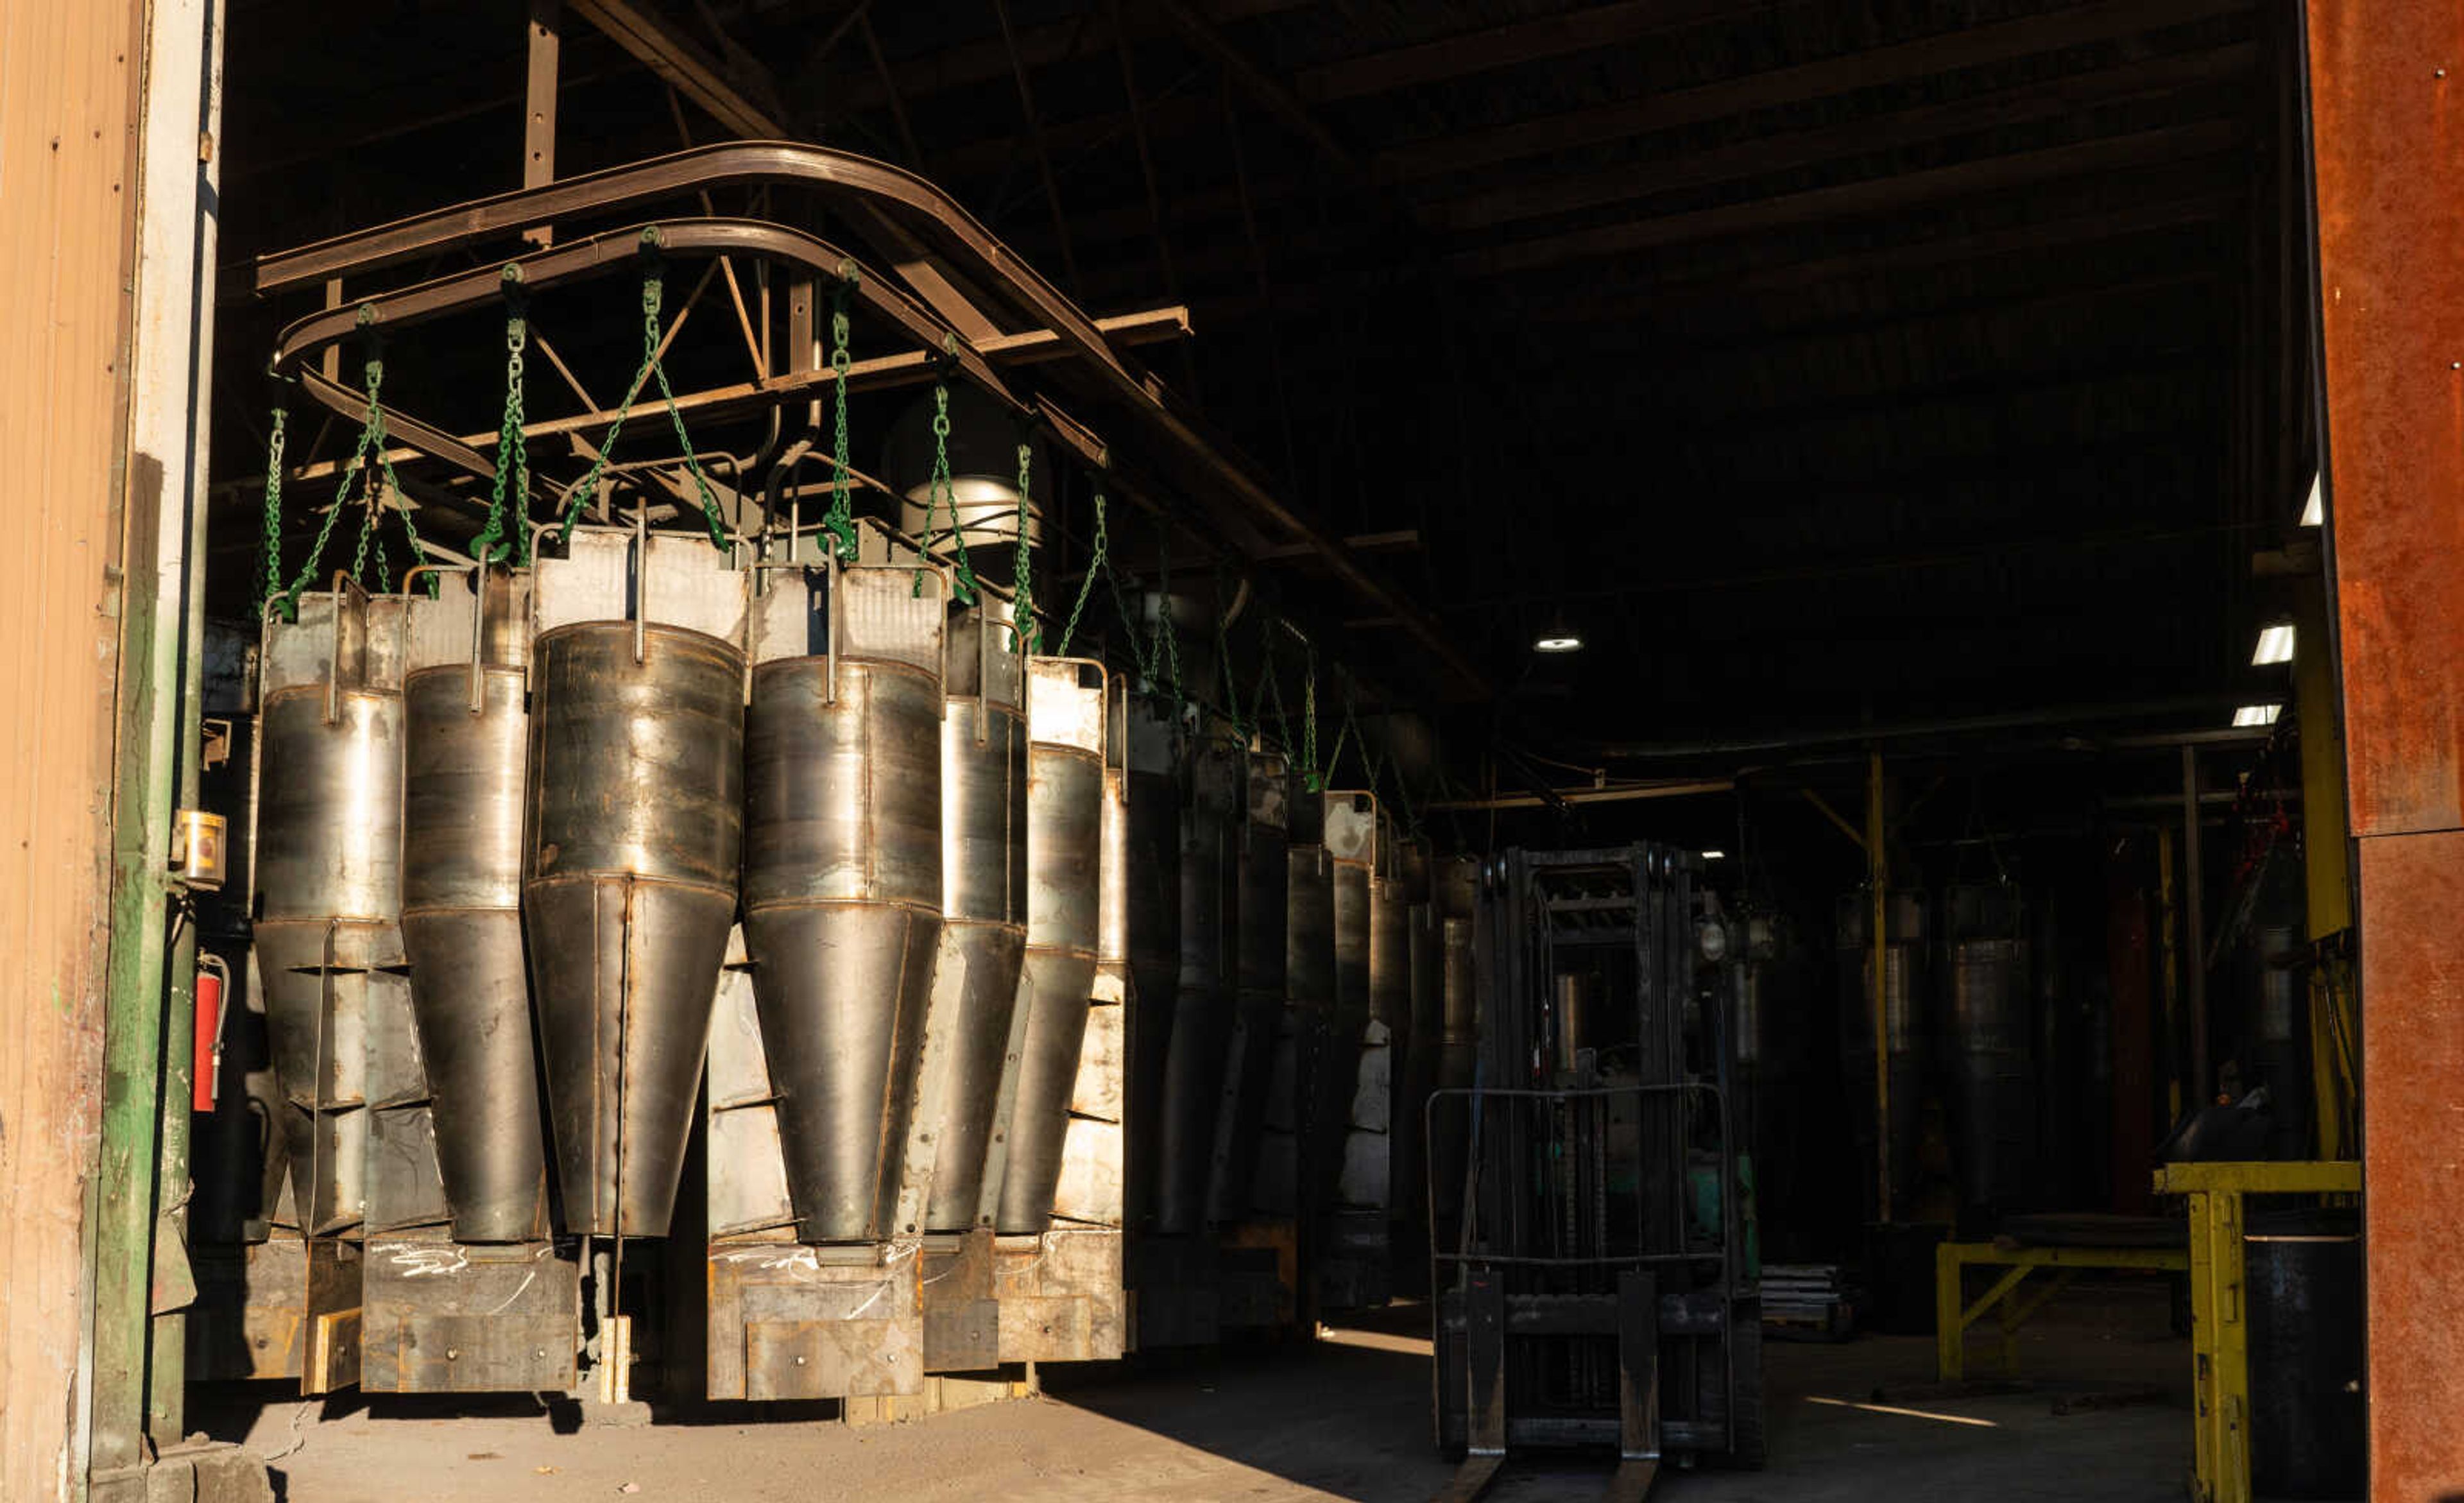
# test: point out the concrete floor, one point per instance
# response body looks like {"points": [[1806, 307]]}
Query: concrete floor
{"points": [[1346, 1419]]}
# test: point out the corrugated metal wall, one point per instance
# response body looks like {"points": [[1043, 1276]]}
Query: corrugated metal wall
{"points": [[68, 100]]}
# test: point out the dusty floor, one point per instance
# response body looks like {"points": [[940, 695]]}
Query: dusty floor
{"points": [[1347, 1420]]}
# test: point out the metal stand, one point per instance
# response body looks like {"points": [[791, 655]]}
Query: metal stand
{"points": [[1953, 1316], [2220, 1330]]}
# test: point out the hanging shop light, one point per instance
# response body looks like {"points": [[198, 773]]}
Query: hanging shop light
{"points": [[2314, 511], [2274, 645], [2251, 714], [1559, 636]]}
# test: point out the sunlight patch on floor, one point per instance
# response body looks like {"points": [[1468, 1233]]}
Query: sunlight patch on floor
{"points": [[1376, 1341], [1913, 1414]]}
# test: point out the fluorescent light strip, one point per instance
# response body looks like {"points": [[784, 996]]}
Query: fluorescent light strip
{"points": [[2274, 645], [2258, 715], [2314, 511]]}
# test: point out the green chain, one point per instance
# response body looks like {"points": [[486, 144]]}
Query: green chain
{"points": [[1269, 690], [512, 450], [409, 529], [1308, 726], [273, 510], [372, 443], [1352, 732], [1095, 564], [360, 555], [653, 290], [1168, 641], [1025, 636], [840, 520], [962, 583], [710, 512], [390, 495], [1411, 813], [1231, 686], [1139, 656]]}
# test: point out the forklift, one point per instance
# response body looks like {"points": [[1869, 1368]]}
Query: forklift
{"points": [[1593, 1270]]}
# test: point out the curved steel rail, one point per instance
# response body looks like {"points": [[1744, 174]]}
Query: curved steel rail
{"points": [[594, 255], [913, 207]]}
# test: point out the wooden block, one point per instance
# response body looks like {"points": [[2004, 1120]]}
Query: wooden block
{"points": [[333, 1353]]}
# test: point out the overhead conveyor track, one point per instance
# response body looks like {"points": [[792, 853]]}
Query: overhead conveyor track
{"points": [[903, 213]]}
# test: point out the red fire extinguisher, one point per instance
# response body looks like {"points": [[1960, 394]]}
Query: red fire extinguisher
{"points": [[207, 1068]]}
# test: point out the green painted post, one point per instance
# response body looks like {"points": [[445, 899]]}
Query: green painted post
{"points": [[122, 1278]]}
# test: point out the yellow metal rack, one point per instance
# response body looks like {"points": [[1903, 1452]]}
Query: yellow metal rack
{"points": [[1953, 1314], [2220, 1332]]}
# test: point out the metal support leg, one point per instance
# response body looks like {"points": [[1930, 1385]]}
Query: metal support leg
{"points": [[1485, 1368], [1950, 1336], [2219, 1348], [1638, 1387]]}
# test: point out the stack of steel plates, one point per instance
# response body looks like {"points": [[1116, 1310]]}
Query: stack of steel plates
{"points": [[1808, 1302]]}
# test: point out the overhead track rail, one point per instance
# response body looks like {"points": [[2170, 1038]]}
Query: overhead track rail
{"points": [[902, 213]]}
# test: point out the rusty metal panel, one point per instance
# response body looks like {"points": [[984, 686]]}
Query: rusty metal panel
{"points": [[1061, 1297], [246, 1320], [2387, 131], [961, 1323], [2387, 84], [67, 148], [441, 1317], [2412, 1055], [789, 1321]]}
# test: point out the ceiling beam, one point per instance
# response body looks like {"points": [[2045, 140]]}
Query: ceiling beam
{"points": [[981, 60], [1469, 52], [1262, 89], [738, 92], [1871, 196], [1528, 199], [2093, 227], [1591, 303], [2105, 20], [1829, 565]]}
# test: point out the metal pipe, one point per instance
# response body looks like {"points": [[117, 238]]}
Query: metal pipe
{"points": [[2194, 951], [1879, 869], [1863, 735]]}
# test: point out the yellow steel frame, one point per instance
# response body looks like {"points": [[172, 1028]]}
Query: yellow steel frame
{"points": [[1953, 1314], [2219, 1333]]}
